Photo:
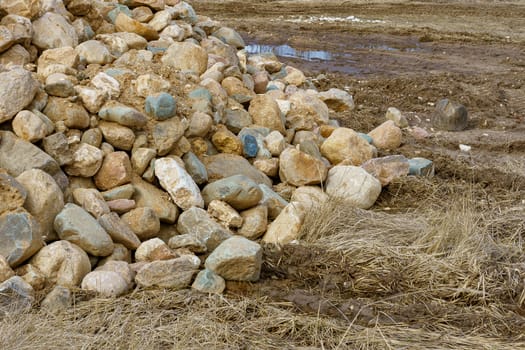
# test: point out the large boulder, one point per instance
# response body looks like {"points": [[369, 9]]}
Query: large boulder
{"points": [[265, 112], [239, 191], [186, 56], [53, 31], [346, 145]]}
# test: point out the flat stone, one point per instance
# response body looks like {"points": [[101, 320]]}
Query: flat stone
{"points": [[174, 274], [299, 169], [115, 171], [255, 222], [52, 31], [44, 199], [208, 281], [87, 161], [188, 241], [178, 183], [346, 145], [450, 116], [118, 136], [147, 195], [154, 249], [12, 193], [105, 283], [287, 225], [197, 222], [16, 295], [123, 115], [421, 167], [119, 231], [337, 100], [63, 263], [161, 106], [121, 206], [386, 135], [120, 192], [237, 259], [388, 168], [225, 165], [187, 57], [144, 222], [124, 23], [20, 235], [239, 191], [75, 225], [17, 90], [353, 185], [91, 200]]}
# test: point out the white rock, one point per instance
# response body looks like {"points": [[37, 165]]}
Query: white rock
{"points": [[87, 160], [353, 185], [93, 51], [287, 226], [92, 99], [105, 283], [106, 83], [178, 183]]}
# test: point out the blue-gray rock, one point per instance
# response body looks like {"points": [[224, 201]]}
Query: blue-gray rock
{"points": [[124, 115], [367, 137], [450, 116], [208, 281], [112, 15], [75, 225], [259, 133], [236, 259], [229, 36], [20, 236], [237, 119], [421, 167], [195, 168], [198, 222], [249, 146], [12, 193], [239, 191], [201, 100], [161, 106], [16, 295]]}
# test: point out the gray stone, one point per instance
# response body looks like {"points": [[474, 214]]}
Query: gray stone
{"points": [[120, 192], [12, 193], [16, 295], [197, 222], [395, 115], [20, 235], [124, 115], [17, 90], [94, 52], [230, 37], [143, 221], [147, 195], [273, 201], [450, 116], [119, 231], [178, 183], [62, 263], [92, 137], [208, 281], [53, 31], [421, 167], [59, 84], [225, 165], [200, 124], [91, 200], [237, 259], [239, 191], [161, 106], [237, 119], [75, 225], [57, 146], [44, 199], [60, 298], [105, 283], [195, 168], [173, 274]]}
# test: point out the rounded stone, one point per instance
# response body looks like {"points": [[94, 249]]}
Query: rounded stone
{"points": [[161, 106]]}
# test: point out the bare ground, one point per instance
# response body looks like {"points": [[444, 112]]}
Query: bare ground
{"points": [[437, 264]]}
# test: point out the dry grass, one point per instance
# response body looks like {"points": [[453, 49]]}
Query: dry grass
{"points": [[446, 274]]}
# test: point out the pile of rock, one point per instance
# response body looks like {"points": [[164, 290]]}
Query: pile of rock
{"points": [[141, 145]]}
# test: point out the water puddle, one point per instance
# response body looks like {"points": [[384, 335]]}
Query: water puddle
{"points": [[290, 52]]}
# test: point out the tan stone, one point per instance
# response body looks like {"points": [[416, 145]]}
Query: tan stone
{"points": [[237, 90], [186, 56], [388, 168], [174, 274], [224, 213], [269, 167], [91, 200], [386, 135], [255, 222], [266, 112], [154, 249], [5, 270], [144, 222], [225, 165], [346, 144], [298, 168], [118, 136], [287, 226], [115, 171], [124, 23], [226, 142]]}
